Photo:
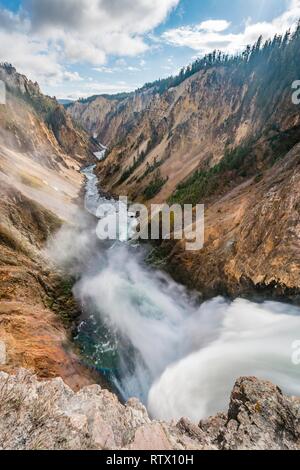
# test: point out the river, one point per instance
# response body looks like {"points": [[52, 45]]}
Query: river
{"points": [[153, 339]]}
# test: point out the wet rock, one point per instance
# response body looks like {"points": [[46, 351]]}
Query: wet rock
{"points": [[260, 417]]}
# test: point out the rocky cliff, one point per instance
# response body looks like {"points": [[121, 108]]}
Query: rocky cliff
{"points": [[41, 153], [49, 415], [209, 138], [252, 238], [225, 134]]}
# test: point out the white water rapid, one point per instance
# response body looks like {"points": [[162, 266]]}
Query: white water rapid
{"points": [[179, 357]]}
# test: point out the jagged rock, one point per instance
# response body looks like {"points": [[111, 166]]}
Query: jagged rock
{"points": [[35, 119], [49, 415], [261, 417], [2, 353]]}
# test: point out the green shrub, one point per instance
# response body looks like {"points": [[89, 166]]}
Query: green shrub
{"points": [[136, 163], [155, 186], [204, 183]]}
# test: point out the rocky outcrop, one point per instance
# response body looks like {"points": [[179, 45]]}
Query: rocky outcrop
{"points": [[92, 114], [111, 118], [36, 123], [49, 415]]}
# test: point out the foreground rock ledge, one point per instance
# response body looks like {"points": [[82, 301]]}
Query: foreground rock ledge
{"points": [[49, 415]]}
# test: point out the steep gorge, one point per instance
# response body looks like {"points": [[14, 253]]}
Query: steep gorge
{"points": [[227, 136], [209, 138], [41, 153]]}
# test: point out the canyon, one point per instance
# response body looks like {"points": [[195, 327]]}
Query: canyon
{"points": [[214, 136], [40, 182], [226, 136]]}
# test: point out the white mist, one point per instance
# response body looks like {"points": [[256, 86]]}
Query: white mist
{"points": [[182, 359]]}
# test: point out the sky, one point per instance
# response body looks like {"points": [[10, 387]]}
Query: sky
{"points": [[78, 48]]}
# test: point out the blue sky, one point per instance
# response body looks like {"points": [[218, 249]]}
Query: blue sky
{"points": [[78, 48]]}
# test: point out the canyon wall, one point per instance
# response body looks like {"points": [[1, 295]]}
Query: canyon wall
{"points": [[41, 153], [226, 136]]}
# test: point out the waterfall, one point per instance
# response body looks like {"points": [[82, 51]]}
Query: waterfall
{"points": [[181, 358]]}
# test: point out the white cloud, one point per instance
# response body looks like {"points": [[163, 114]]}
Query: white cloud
{"points": [[72, 77], [199, 40], [91, 88], [121, 63], [32, 58], [104, 69], [212, 34], [120, 66], [214, 25], [86, 16], [91, 29], [130, 68], [45, 35]]}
